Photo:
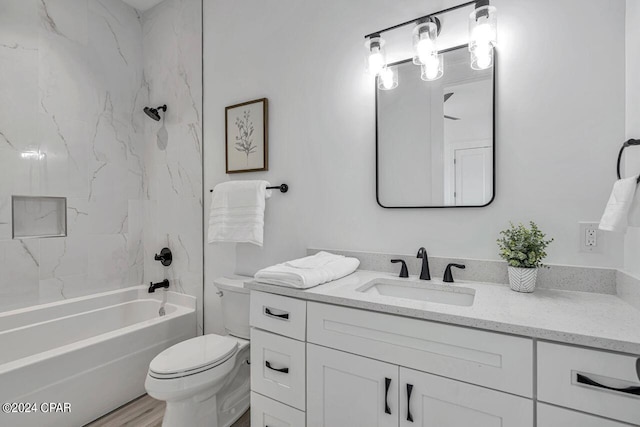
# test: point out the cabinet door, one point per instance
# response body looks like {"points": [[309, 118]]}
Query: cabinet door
{"points": [[428, 400], [344, 390]]}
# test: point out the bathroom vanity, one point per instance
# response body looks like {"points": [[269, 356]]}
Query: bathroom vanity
{"points": [[373, 350]]}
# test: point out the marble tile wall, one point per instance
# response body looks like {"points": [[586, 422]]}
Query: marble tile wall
{"points": [[74, 77], [172, 209]]}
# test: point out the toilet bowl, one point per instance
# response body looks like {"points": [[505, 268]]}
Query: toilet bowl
{"points": [[205, 380]]}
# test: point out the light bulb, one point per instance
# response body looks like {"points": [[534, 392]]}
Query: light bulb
{"points": [[388, 79], [482, 34], [482, 57], [425, 49], [376, 61], [375, 55], [432, 69], [425, 36]]}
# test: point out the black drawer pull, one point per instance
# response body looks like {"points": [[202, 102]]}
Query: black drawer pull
{"points": [[409, 390], [638, 368], [283, 370], [387, 383], [588, 381], [268, 312]]}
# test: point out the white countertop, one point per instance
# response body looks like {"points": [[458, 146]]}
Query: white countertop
{"points": [[581, 318]]}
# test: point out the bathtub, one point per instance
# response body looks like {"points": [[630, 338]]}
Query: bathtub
{"points": [[70, 362]]}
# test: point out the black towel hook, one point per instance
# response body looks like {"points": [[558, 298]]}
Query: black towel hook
{"points": [[629, 143]]}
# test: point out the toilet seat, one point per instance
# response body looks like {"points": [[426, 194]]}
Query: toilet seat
{"points": [[193, 356]]}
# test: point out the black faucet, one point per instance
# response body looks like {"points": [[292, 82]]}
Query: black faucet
{"points": [[424, 273], [403, 271], [154, 286], [448, 277]]}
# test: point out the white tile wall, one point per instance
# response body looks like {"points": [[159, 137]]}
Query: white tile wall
{"points": [[77, 74]]}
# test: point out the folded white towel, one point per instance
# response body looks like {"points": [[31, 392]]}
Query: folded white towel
{"points": [[616, 214], [309, 271], [237, 212]]}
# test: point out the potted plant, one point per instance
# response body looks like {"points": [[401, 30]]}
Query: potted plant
{"points": [[524, 249]]}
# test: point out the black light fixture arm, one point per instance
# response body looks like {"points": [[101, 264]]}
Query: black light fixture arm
{"points": [[427, 17], [628, 143]]}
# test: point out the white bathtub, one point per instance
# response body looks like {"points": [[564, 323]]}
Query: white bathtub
{"points": [[91, 353]]}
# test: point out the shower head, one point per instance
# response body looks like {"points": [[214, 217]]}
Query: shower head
{"points": [[153, 112]]}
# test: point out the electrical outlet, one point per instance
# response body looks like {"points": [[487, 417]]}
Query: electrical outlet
{"points": [[590, 237]]}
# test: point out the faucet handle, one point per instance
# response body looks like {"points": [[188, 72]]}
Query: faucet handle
{"points": [[448, 276], [404, 272], [165, 257]]}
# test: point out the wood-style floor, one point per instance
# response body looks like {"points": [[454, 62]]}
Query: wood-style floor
{"points": [[145, 411]]}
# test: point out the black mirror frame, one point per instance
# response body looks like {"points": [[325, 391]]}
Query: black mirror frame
{"points": [[493, 197]]}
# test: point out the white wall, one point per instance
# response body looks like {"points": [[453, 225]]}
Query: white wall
{"points": [[560, 120], [632, 155]]}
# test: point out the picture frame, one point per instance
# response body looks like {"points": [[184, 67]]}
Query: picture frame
{"points": [[246, 136]]}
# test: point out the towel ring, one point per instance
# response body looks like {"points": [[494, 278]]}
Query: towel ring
{"points": [[629, 143]]}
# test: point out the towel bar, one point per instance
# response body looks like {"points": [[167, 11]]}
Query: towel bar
{"points": [[284, 187], [629, 143]]}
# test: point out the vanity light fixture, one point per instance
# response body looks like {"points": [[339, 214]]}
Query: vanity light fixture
{"points": [[483, 35], [375, 54], [482, 42], [425, 40], [388, 78]]}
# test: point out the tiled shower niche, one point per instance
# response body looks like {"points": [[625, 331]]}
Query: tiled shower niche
{"points": [[37, 217]]}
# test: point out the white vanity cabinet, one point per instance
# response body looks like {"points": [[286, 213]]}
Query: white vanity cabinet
{"points": [[335, 366]]}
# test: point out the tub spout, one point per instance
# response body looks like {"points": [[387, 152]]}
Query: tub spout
{"points": [[154, 286]]}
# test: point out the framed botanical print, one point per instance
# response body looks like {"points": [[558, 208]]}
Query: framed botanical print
{"points": [[246, 136]]}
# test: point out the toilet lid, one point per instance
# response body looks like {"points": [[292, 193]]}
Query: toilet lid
{"points": [[194, 354]]}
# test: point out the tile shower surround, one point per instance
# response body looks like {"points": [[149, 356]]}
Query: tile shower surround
{"points": [[80, 73]]}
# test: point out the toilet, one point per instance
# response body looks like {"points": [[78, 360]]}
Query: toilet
{"points": [[205, 381]]}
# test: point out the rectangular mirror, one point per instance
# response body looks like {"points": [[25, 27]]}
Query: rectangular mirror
{"points": [[435, 139]]}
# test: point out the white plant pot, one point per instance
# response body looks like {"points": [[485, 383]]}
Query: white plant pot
{"points": [[522, 279]]}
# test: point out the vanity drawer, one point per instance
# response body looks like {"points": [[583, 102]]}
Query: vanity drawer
{"points": [[267, 412], [278, 368], [282, 315], [497, 361], [552, 416], [564, 373]]}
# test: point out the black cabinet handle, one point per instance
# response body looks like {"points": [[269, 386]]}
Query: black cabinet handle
{"points": [[638, 368], [268, 312], [409, 390], [387, 383], [283, 370], [582, 379]]}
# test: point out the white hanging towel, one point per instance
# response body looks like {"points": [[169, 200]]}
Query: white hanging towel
{"points": [[616, 214], [309, 271], [237, 212]]}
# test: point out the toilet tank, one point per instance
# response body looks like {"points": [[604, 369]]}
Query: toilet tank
{"points": [[235, 304]]}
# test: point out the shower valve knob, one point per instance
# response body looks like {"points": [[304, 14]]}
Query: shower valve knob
{"points": [[165, 257]]}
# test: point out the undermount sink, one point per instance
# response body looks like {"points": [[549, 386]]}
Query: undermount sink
{"points": [[420, 291]]}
